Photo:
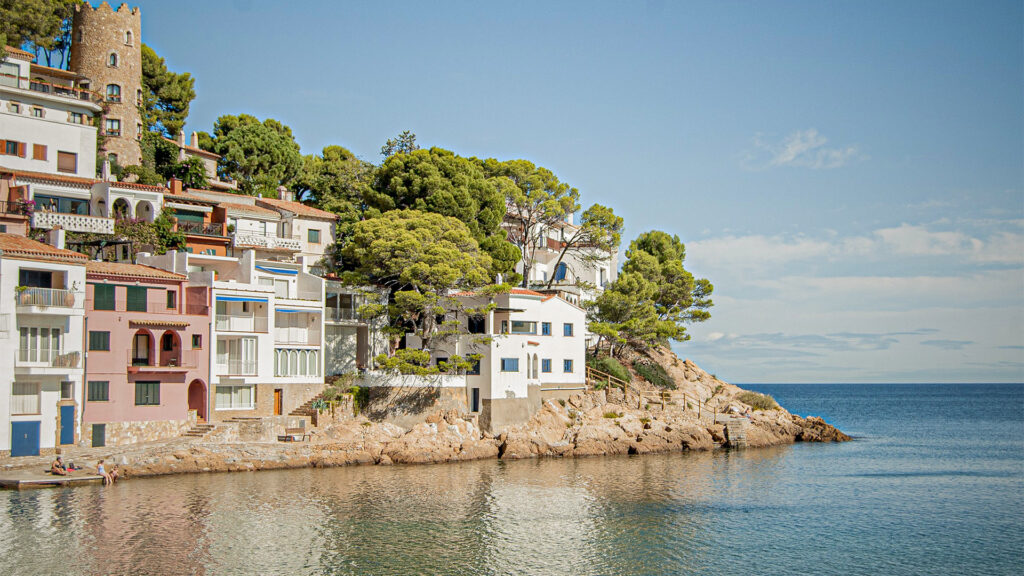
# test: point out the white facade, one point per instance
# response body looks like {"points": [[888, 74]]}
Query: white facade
{"points": [[578, 279], [49, 124], [41, 338], [267, 328]]}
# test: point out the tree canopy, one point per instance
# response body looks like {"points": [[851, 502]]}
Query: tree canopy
{"points": [[594, 240], [404, 143], [336, 181], [166, 95], [653, 298], [439, 181], [260, 155], [41, 26]]}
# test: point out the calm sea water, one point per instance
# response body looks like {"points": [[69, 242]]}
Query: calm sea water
{"points": [[934, 484]]}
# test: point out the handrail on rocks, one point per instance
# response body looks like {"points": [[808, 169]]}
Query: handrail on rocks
{"points": [[595, 376]]}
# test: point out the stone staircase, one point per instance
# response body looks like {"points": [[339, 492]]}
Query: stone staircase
{"points": [[307, 408], [736, 432], [200, 430]]}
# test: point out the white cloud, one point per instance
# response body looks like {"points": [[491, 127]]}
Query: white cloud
{"points": [[804, 148]]}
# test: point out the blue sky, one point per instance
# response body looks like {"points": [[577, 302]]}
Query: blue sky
{"points": [[849, 175]]}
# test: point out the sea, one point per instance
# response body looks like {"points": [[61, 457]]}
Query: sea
{"points": [[933, 483]]}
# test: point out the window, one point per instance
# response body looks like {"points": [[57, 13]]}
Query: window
{"points": [[13, 148], [38, 152], [25, 398], [545, 365], [38, 112], [76, 118], [476, 324], [99, 341], [560, 271], [14, 107], [172, 299], [38, 344], [35, 278], [567, 329], [113, 127], [296, 362], [140, 349], [566, 365], [210, 252], [524, 327], [67, 390], [474, 370], [112, 60], [60, 204], [113, 93], [147, 393], [510, 364], [102, 297], [136, 299], [234, 398], [167, 342], [545, 328], [67, 162], [138, 99], [98, 392], [197, 341], [313, 236], [128, 37], [138, 131], [504, 326]]}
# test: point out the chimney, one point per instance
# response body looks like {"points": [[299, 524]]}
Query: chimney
{"points": [[194, 140], [55, 237], [181, 138], [284, 194], [175, 186]]}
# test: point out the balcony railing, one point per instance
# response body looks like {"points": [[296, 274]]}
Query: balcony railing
{"points": [[228, 366], [48, 358], [161, 361], [46, 297], [297, 336], [341, 314], [73, 222], [48, 88], [268, 240], [229, 323], [16, 207], [200, 228]]}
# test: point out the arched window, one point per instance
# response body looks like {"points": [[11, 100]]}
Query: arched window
{"points": [[80, 35], [560, 271], [113, 93], [112, 60], [128, 37]]}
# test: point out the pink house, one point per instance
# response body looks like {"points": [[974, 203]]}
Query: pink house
{"points": [[147, 354]]}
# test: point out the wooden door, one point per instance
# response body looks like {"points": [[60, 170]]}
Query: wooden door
{"points": [[278, 401]]}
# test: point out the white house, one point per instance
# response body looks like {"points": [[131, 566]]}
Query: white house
{"points": [[42, 306], [312, 227], [536, 350], [267, 330], [45, 119]]}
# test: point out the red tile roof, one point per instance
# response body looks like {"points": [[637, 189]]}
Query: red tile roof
{"points": [[73, 180], [129, 271], [137, 186], [255, 210], [20, 247], [297, 208], [19, 53]]}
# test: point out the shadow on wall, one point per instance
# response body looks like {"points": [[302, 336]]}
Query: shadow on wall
{"points": [[408, 406]]}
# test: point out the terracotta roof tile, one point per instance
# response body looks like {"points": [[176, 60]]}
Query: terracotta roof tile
{"points": [[185, 197], [73, 180], [297, 208], [137, 186], [255, 210], [19, 53], [14, 246], [129, 270]]}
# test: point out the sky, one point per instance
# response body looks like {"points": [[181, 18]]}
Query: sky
{"points": [[849, 175]]}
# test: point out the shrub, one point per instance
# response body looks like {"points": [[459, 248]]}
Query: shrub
{"points": [[655, 374], [561, 401], [360, 397], [612, 415], [717, 390], [611, 366], [758, 401], [645, 420]]}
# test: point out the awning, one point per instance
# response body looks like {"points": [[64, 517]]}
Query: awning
{"points": [[240, 299], [293, 311], [278, 270], [188, 207]]}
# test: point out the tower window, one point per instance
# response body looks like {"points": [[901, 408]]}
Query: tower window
{"points": [[113, 127], [80, 35], [128, 37], [113, 93], [112, 61]]}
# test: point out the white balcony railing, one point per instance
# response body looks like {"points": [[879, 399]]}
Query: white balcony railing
{"points": [[229, 366], [229, 323], [297, 336], [46, 297], [36, 357], [268, 241], [73, 222]]}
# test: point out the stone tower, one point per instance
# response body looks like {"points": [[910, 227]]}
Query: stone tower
{"points": [[106, 48]]}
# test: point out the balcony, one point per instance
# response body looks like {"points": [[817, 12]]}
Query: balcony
{"points": [[73, 222], [342, 315], [165, 363], [68, 92], [200, 228], [231, 366], [297, 336], [36, 361], [229, 323], [46, 298], [266, 240], [17, 207]]}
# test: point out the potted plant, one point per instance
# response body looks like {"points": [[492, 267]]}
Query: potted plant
{"points": [[23, 296]]}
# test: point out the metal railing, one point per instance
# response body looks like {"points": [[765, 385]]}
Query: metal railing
{"points": [[229, 323], [49, 358], [200, 228], [341, 314], [48, 88], [236, 366], [162, 360], [45, 297], [16, 207]]}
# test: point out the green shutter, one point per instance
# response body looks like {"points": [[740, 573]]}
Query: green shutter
{"points": [[99, 341], [99, 391], [147, 393], [136, 299], [102, 297]]}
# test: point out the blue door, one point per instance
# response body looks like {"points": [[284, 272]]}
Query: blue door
{"points": [[25, 438], [67, 424]]}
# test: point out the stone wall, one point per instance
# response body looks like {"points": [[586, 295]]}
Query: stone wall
{"points": [[123, 433], [265, 429], [407, 406]]}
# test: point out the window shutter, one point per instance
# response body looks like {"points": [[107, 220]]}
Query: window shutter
{"points": [[21, 149], [38, 152]]}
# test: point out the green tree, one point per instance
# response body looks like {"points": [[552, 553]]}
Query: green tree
{"points": [[420, 258], [166, 95], [594, 240], [403, 144], [42, 26], [653, 298], [536, 202], [336, 181], [160, 164], [441, 182], [260, 155]]}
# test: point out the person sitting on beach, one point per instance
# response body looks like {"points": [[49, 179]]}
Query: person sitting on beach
{"points": [[103, 472], [58, 467]]}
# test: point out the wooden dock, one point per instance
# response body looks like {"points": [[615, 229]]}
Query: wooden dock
{"points": [[27, 479]]}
